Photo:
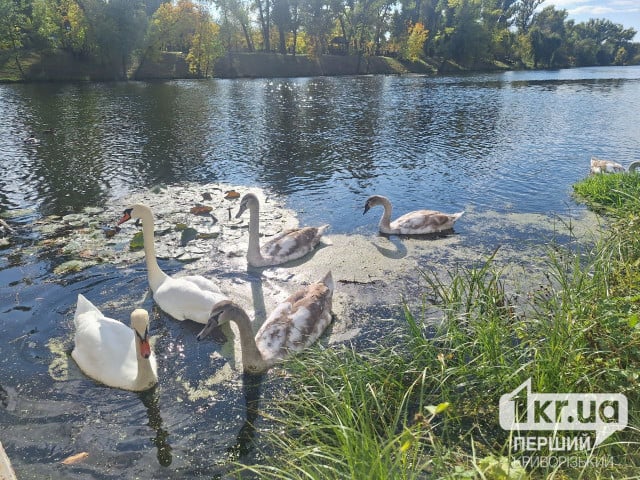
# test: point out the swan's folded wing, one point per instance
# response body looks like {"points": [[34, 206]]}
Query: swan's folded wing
{"points": [[203, 283], [423, 221], [105, 351], [293, 243], [185, 300]]}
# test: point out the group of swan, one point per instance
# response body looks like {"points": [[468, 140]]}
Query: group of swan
{"points": [[120, 357]]}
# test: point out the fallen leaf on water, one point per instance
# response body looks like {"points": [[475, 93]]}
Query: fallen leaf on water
{"points": [[110, 232], [201, 210], [231, 194], [78, 457]]}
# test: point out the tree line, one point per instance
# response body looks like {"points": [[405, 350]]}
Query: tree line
{"points": [[471, 33]]}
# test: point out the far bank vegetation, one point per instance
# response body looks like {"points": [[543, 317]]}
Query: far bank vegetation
{"points": [[116, 36]]}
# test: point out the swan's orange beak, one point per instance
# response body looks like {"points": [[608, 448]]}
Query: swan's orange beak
{"points": [[125, 217], [145, 348]]}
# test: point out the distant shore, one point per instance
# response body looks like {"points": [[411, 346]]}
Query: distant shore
{"points": [[61, 67]]}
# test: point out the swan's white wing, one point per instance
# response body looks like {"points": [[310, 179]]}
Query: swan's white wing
{"points": [[202, 282], [85, 306], [105, 350], [185, 300]]}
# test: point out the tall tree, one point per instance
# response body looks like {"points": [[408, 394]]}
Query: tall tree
{"points": [[523, 13], [547, 35], [122, 31], [264, 17], [281, 16], [13, 22]]}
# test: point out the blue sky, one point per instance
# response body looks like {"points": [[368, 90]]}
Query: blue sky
{"points": [[625, 12]]}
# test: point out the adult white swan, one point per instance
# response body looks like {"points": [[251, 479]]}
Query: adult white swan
{"points": [[112, 353], [190, 297], [286, 246], [292, 326], [418, 222]]}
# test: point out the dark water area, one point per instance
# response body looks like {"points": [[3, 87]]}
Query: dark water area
{"points": [[499, 146]]}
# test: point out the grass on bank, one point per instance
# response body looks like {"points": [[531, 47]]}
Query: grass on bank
{"points": [[425, 403]]}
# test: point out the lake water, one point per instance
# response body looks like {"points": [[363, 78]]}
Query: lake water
{"points": [[504, 147]]}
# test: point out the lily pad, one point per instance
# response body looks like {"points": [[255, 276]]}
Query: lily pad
{"points": [[72, 266], [93, 210], [188, 234], [208, 235], [137, 242]]}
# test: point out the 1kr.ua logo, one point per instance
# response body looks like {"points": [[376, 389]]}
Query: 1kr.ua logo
{"points": [[602, 413]]}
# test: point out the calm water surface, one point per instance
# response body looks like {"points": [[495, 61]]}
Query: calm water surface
{"points": [[501, 143]]}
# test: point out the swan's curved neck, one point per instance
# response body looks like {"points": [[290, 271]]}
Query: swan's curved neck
{"points": [[386, 215], [155, 275], [145, 376], [253, 251], [252, 359]]}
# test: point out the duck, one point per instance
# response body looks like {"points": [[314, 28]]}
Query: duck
{"points": [[418, 222], [284, 247], [292, 326], [112, 353], [189, 297], [609, 166]]}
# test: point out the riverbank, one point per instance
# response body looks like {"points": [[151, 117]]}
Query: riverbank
{"points": [[61, 66], [429, 401]]}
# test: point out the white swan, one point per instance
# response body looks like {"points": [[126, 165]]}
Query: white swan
{"points": [[418, 222], [112, 353], [292, 326], [609, 166], [190, 297], [286, 246]]}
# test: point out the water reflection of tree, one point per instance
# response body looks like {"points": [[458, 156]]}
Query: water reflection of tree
{"points": [[91, 139], [315, 131]]}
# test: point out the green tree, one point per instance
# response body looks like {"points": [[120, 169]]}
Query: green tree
{"points": [[523, 11], [281, 16], [465, 39], [235, 24], [547, 35], [598, 41], [13, 23], [317, 21], [121, 32]]}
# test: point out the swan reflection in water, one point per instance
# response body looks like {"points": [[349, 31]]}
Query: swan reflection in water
{"points": [[149, 399], [251, 386]]}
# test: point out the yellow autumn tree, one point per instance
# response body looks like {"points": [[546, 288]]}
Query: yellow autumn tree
{"points": [[414, 49], [206, 46]]}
